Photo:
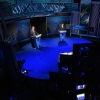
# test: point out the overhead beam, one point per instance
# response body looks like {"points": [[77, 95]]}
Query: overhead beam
{"points": [[27, 7]]}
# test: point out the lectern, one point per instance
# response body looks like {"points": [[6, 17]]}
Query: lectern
{"points": [[36, 41], [62, 35]]}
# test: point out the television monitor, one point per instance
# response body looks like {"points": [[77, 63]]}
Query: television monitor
{"points": [[81, 96], [81, 86]]}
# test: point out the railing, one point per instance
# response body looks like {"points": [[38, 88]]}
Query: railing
{"points": [[10, 39]]}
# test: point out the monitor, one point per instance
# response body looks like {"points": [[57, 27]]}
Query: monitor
{"points": [[81, 96], [81, 86]]}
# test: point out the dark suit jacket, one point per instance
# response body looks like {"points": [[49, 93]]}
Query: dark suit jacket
{"points": [[32, 33], [62, 28]]}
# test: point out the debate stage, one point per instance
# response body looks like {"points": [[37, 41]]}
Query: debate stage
{"points": [[41, 62]]}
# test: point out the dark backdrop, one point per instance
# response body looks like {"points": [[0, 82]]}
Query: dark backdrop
{"points": [[39, 23]]}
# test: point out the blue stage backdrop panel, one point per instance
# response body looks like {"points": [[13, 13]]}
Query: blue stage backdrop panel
{"points": [[54, 22], [67, 7], [38, 1], [94, 19], [75, 7], [85, 12], [75, 21], [20, 29]]}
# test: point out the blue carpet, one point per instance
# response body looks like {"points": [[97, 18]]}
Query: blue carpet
{"points": [[42, 61]]}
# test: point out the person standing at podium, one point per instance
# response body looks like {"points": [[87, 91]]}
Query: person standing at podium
{"points": [[33, 32], [34, 37], [62, 32], [62, 27]]}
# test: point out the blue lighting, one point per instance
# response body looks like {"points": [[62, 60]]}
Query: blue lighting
{"points": [[46, 59]]}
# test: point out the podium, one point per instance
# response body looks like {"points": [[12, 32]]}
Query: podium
{"points": [[62, 35], [36, 41]]}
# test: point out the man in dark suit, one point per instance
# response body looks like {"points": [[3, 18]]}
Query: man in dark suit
{"points": [[62, 27], [34, 34]]}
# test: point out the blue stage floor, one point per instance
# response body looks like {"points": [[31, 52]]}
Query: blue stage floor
{"points": [[45, 60]]}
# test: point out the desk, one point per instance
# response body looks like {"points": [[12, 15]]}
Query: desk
{"points": [[83, 28]]}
